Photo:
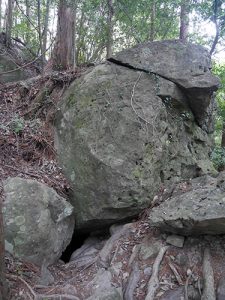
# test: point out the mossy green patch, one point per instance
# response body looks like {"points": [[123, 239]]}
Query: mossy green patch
{"points": [[138, 172]]}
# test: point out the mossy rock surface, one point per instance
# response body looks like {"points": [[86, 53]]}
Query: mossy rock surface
{"points": [[121, 135], [38, 222]]}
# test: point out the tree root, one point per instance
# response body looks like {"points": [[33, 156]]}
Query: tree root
{"points": [[154, 280], [208, 277]]}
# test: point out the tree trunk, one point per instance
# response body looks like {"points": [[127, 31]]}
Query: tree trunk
{"points": [[3, 287], [9, 22], [40, 33], [28, 22], [45, 31], [63, 53], [216, 5], [184, 20], [152, 24], [109, 29], [0, 15]]}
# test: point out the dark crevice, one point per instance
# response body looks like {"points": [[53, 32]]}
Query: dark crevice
{"points": [[76, 242], [120, 63]]}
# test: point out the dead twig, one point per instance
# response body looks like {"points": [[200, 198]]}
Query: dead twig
{"points": [[186, 286], [154, 280], [176, 274], [132, 99]]}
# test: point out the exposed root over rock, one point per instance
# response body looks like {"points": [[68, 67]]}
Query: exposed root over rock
{"points": [[154, 280]]}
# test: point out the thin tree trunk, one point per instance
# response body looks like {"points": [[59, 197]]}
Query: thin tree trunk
{"points": [[45, 31], [15, 21], [3, 286], [74, 36], [216, 5], [184, 20], [28, 22], [40, 32], [63, 52], [0, 15], [9, 22], [109, 29], [152, 24]]}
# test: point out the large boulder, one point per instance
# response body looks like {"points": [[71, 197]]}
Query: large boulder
{"points": [[122, 133], [199, 210], [38, 222]]}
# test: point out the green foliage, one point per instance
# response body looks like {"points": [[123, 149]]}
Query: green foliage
{"points": [[218, 157], [131, 23], [219, 70], [17, 125], [218, 154]]}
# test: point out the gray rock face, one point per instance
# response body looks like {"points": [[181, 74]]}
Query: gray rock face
{"points": [[122, 133], [187, 65], [200, 210], [38, 222]]}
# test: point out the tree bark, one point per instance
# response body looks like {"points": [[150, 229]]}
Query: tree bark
{"points": [[184, 20], [0, 15], [109, 29], [216, 6], [9, 22], [45, 30], [152, 24], [3, 287], [28, 22], [40, 32], [63, 53]]}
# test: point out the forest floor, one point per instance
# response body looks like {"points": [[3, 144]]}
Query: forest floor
{"points": [[27, 150]]}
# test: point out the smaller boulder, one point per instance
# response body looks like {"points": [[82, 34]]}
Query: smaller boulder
{"points": [[175, 240], [38, 222], [200, 210]]}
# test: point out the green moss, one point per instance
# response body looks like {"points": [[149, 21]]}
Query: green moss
{"points": [[79, 123], [148, 153], [137, 172]]}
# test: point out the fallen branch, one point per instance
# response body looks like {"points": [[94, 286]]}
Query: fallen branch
{"points": [[54, 296], [154, 280]]}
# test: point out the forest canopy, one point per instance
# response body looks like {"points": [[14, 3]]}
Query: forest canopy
{"points": [[105, 26]]}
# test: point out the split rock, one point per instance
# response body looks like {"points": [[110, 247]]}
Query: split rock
{"points": [[187, 65]]}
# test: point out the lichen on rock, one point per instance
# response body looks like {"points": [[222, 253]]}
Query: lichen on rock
{"points": [[125, 130], [38, 222]]}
